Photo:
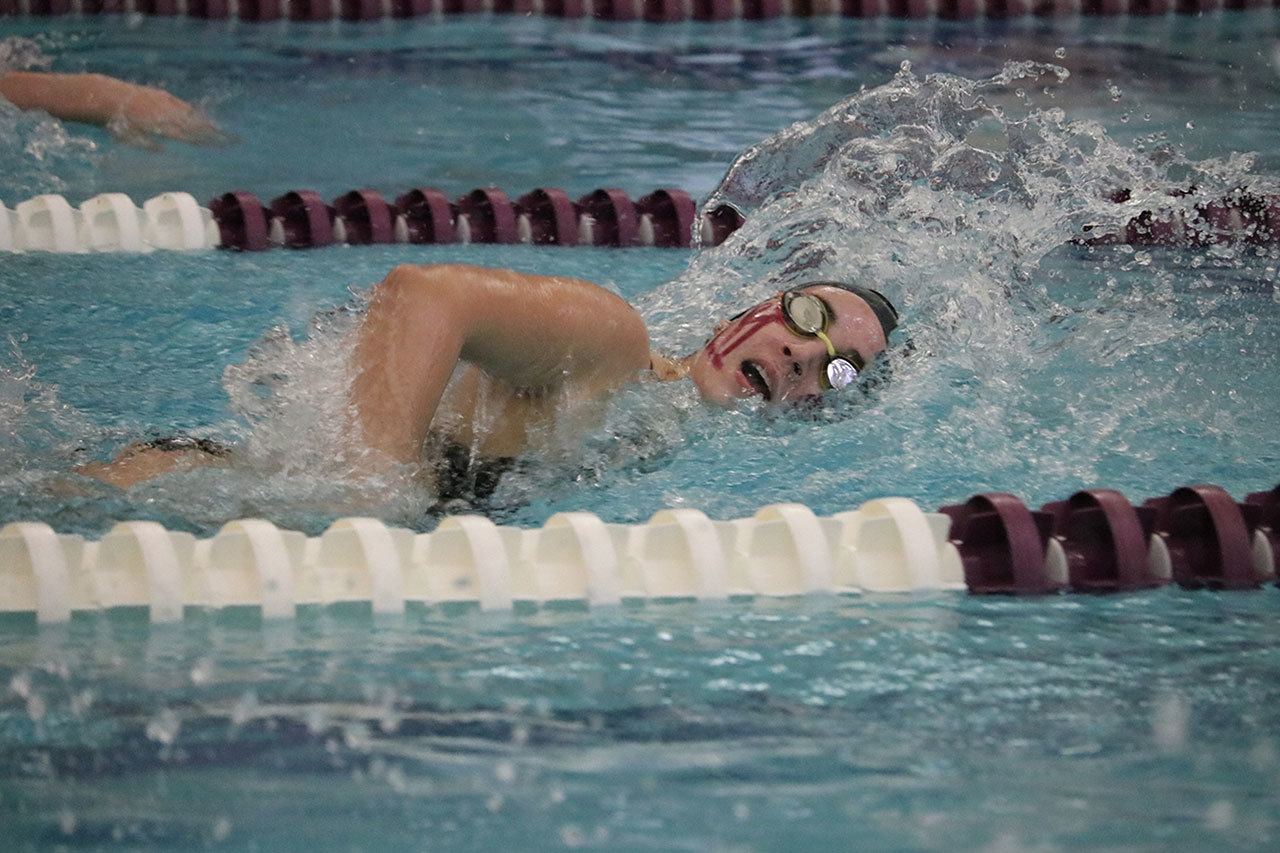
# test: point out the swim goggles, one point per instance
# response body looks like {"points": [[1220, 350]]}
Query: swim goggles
{"points": [[808, 316]]}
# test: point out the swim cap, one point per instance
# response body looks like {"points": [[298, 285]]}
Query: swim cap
{"points": [[880, 304]]}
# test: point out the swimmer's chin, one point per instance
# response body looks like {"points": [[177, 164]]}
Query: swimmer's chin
{"points": [[716, 397], [730, 400]]}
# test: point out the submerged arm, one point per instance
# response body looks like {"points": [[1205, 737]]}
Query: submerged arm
{"points": [[535, 333]]}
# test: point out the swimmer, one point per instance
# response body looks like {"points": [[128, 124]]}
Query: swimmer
{"points": [[132, 113], [540, 352]]}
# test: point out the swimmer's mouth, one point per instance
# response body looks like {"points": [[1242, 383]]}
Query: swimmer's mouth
{"points": [[755, 377]]}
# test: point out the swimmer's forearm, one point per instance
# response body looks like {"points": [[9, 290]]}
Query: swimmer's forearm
{"points": [[72, 97], [128, 109], [408, 345]]}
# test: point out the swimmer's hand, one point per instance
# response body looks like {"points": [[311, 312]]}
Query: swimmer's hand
{"points": [[135, 114]]}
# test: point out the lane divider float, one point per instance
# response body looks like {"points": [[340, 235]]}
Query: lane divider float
{"points": [[110, 222], [1095, 541], [546, 216], [302, 219], [654, 11]]}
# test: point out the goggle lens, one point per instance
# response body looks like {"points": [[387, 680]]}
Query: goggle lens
{"points": [[841, 374], [806, 312]]}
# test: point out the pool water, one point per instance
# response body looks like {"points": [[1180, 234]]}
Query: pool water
{"points": [[1035, 365], [469, 101], [878, 722]]}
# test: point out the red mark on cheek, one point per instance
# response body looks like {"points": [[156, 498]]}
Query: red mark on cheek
{"points": [[738, 333]]}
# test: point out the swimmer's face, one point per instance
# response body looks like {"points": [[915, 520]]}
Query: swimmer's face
{"points": [[758, 355]]}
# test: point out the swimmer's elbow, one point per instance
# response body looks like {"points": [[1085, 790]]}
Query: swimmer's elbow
{"points": [[432, 280], [420, 287], [404, 276]]}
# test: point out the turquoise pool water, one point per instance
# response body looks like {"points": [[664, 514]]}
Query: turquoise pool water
{"points": [[524, 102], [920, 722]]}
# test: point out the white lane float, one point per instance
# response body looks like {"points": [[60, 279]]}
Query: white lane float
{"points": [[782, 550], [110, 222], [177, 222], [47, 223]]}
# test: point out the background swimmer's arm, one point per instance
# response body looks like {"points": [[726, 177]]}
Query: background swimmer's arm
{"points": [[130, 111], [535, 333]]}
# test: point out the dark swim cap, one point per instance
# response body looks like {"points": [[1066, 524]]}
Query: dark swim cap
{"points": [[880, 304]]}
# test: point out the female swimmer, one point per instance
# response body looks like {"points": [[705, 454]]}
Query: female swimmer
{"points": [[541, 352]]}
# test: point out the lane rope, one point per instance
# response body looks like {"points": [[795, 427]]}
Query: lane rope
{"points": [[652, 11], [667, 217], [1095, 541]]}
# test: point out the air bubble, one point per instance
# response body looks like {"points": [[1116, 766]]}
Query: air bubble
{"points": [[21, 684], [163, 727], [1169, 722], [356, 736], [82, 701], [572, 836], [245, 709], [1220, 816], [316, 718], [202, 672], [1060, 53]]}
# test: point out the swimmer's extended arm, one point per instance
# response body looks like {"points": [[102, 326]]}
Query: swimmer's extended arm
{"points": [[130, 111], [535, 333]]}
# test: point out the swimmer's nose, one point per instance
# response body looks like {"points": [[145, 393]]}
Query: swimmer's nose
{"points": [[802, 371]]}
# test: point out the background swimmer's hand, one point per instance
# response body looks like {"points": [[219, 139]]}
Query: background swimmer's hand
{"points": [[141, 113], [133, 113]]}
